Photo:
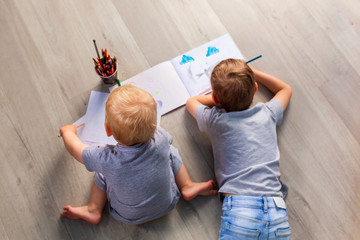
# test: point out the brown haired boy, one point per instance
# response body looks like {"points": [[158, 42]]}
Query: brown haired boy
{"points": [[245, 149]]}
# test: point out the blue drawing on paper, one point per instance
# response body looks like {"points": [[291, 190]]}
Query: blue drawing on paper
{"points": [[186, 59], [212, 51]]}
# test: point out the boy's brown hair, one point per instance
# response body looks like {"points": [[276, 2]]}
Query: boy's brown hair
{"points": [[130, 114], [233, 84]]}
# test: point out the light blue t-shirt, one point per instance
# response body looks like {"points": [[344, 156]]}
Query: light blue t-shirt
{"points": [[139, 180], [245, 148]]}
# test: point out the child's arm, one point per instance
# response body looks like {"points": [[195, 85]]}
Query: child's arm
{"points": [[72, 143], [281, 90], [193, 102]]}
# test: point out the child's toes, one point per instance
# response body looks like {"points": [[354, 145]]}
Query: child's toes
{"points": [[214, 192], [213, 184], [67, 207]]}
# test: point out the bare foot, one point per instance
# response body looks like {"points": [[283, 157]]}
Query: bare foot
{"points": [[81, 212], [190, 191]]}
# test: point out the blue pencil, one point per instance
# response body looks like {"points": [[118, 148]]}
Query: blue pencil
{"points": [[254, 59]]}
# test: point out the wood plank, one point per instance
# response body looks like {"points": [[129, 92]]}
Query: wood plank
{"points": [[164, 30], [26, 196], [3, 233]]}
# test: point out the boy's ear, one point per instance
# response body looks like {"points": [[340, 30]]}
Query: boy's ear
{"points": [[256, 87], [214, 98], [108, 130]]}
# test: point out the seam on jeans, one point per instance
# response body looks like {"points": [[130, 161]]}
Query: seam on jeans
{"points": [[242, 230], [244, 216], [280, 220], [249, 204], [283, 232], [252, 206]]}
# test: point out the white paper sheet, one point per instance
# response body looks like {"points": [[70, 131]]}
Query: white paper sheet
{"points": [[94, 130]]}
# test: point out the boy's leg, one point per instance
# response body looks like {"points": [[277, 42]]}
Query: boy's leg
{"points": [[190, 189], [91, 212]]}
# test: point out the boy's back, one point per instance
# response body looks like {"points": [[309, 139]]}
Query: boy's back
{"points": [[245, 148], [140, 181]]}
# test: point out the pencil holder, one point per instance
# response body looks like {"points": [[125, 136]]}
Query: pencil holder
{"points": [[110, 80]]}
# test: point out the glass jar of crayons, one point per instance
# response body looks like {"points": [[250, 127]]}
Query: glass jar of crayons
{"points": [[106, 67]]}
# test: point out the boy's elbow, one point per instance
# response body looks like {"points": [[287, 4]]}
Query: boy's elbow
{"points": [[286, 90], [191, 105], [289, 90], [189, 102]]}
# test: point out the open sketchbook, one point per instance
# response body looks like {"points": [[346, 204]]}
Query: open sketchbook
{"points": [[171, 83], [174, 81]]}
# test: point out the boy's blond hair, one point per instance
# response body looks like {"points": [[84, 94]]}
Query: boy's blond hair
{"points": [[233, 84], [130, 114]]}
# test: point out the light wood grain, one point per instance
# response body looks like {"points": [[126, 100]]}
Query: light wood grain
{"points": [[46, 75]]}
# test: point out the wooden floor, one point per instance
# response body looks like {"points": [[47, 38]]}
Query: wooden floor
{"points": [[46, 75]]}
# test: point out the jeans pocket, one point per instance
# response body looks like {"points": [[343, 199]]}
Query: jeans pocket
{"points": [[283, 233], [232, 231]]}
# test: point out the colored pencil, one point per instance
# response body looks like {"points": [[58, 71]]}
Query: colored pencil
{"points": [[106, 65], [80, 125], [97, 51], [254, 59]]}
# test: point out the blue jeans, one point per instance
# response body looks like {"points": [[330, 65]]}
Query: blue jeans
{"points": [[247, 217]]}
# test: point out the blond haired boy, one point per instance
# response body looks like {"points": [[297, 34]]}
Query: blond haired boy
{"points": [[245, 150], [141, 176]]}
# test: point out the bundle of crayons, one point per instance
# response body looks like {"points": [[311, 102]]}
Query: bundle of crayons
{"points": [[106, 65]]}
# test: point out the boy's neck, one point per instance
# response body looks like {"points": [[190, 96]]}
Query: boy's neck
{"points": [[126, 145]]}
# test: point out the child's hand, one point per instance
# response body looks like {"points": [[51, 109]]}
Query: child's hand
{"points": [[72, 142], [67, 128]]}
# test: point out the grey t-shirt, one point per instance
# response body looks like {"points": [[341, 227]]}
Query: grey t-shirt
{"points": [[139, 180], [245, 148]]}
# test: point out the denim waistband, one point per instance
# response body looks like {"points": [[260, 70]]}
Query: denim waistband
{"points": [[249, 201]]}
